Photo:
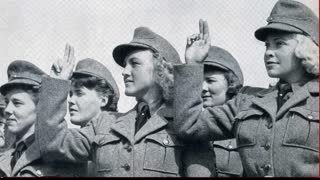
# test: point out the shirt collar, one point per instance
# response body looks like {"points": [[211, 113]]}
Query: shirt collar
{"points": [[28, 141]]}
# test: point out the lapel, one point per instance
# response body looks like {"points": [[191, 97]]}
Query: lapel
{"points": [[5, 160], [124, 125], [30, 155], [267, 100], [299, 95], [156, 122]]}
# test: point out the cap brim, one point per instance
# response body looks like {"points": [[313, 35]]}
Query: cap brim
{"points": [[120, 52], [75, 73], [262, 32], [5, 87], [212, 64]]}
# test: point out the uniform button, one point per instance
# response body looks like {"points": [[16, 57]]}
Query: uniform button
{"points": [[165, 141], [267, 146], [280, 94], [126, 167], [129, 149], [267, 167], [310, 117]]}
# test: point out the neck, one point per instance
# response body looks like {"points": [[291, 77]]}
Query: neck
{"points": [[297, 78], [153, 98], [23, 137], [87, 121]]}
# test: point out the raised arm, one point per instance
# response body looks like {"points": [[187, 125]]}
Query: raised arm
{"points": [[191, 121], [57, 142]]}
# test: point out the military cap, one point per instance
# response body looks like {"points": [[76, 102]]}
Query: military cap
{"points": [[291, 16], [23, 72], [94, 68], [220, 58], [144, 38]]}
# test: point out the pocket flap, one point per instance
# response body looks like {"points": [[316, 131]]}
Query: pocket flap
{"points": [[245, 114], [228, 145], [306, 113], [165, 139], [102, 139]]}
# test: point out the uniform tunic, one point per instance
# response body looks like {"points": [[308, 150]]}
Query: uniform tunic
{"points": [[109, 141], [271, 142]]}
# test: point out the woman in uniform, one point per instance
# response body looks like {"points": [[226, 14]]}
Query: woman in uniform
{"points": [[277, 129], [140, 142], [22, 95]]}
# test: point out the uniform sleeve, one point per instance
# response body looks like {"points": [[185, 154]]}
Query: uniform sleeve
{"points": [[191, 122], [199, 161], [57, 142]]}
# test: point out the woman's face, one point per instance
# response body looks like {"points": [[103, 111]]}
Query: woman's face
{"points": [[280, 59], [20, 112], [138, 73], [84, 105], [214, 88]]}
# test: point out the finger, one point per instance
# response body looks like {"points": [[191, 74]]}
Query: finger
{"points": [[60, 63], [71, 54], [55, 67], [206, 32], [189, 41], [201, 28], [66, 52]]}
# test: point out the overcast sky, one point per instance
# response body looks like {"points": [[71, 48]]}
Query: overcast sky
{"points": [[37, 30]]}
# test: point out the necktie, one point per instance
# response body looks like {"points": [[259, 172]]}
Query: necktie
{"points": [[284, 94], [17, 153], [142, 116]]}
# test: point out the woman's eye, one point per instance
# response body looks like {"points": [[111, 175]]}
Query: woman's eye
{"points": [[211, 81], [17, 103], [280, 43]]}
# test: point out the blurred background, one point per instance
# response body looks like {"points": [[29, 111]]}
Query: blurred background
{"points": [[37, 30]]}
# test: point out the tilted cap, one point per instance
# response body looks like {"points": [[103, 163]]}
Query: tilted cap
{"points": [[291, 16], [144, 38], [95, 68], [218, 57], [23, 72]]}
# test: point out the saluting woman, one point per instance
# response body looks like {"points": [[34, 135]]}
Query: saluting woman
{"points": [[277, 129]]}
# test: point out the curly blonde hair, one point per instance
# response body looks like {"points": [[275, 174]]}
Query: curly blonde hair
{"points": [[164, 77], [308, 52]]}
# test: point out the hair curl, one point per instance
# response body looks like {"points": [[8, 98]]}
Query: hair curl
{"points": [[101, 86], [234, 85], [308, 52], [163, 74]]}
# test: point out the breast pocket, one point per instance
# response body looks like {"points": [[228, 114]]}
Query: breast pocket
{"points": [[302, 129], [248, 123], [107, 151], [163, 153]]}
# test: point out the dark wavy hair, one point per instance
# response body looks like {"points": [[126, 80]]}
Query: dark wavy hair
{"points": [[100, 85]]}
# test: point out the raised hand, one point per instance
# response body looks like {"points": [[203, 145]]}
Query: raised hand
{"points": [[63, 68], [198, 45]]}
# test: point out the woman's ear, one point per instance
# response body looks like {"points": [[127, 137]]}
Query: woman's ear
{"points": [[104, 101]]}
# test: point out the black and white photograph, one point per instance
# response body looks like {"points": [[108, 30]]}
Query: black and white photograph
{"points": [[159, 88]]}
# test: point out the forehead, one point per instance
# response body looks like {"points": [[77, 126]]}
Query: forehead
{"points": [[18, 94], [280, 35], [143, 54], [79, 88], [213, 73]]}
